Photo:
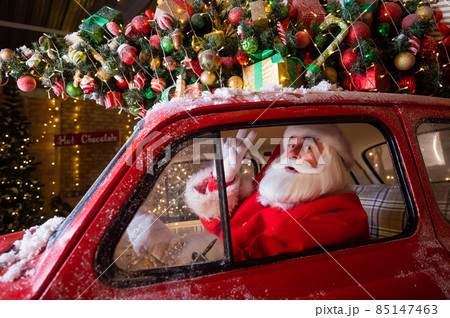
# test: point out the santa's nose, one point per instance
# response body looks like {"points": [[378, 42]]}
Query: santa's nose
{"points": [[299, 152]]}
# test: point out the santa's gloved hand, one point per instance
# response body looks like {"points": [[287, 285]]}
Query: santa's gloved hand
{"points": [[233, 151]]}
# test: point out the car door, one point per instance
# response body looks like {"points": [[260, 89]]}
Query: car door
{"points": [[406, 266]]}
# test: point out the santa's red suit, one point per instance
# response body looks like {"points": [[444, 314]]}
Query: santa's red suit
{"points": [[259, 231]]}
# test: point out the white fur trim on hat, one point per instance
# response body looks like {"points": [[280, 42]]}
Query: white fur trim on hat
{"points": [[326, 133]]}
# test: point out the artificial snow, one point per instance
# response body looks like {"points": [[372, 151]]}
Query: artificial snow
{"points": [[33, 242]]}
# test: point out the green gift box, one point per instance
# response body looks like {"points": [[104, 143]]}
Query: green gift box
{"points": [[95, 25], [273, 70]]}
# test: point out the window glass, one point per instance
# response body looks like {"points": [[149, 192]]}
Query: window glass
{"points": [[379, 159], [434, 142], [164, 231]]}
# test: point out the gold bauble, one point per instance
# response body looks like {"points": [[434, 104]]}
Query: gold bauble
{"points": [[404, 61], [425, 12], [154, 63], [170, 63], [330, 74], [5, 54], [235, 82], [208, 78], [177, 39], [102, 75]]}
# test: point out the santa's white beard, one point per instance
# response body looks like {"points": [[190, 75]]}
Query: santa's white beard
{"points": [[286, 189]]}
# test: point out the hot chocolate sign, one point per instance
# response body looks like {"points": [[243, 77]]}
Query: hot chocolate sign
{"points": [[87, 138]]}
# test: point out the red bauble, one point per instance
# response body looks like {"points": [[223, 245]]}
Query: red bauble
{"points": [[114, 28], [155, 40], [302, 39], [358, 30], [389, 12], [141, 25], [348, 58], [227, 61], [127, 53], [234, 17], [26, 83], [428, 47], [409, 20], [408, 82], [158, 84], [242, 58]]}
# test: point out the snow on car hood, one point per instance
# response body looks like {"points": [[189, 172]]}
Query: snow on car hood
{"points": [[14, 263]]}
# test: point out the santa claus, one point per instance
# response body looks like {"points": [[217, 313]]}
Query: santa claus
{"points": [[301, 202]]}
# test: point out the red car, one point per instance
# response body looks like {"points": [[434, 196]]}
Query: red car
{"points": [[115, 243]]}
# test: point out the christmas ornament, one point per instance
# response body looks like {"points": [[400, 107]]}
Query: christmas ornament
{"points": [[113, 28], [170, 63], [281, 32], [110, 67], [408, 84], [207, 78], [77, 78], [58, 87], [198, 22], [330, 74], [309, 11], [348, 58], [292, 13], [302, 39], [425, 12], [428, 46], [44, 43], [155, 40], [97, 56], [73, 91], [76, 56], [404, 61], [26, 83], [389, 12], [227, 61], [158, 84], [193, 90], [121, 82], [235, 82], [242, 58], [284, 12], [165, 21], [6, 54], [112, 100], [177, 39], [357, 31], [127, 53], [155, 63], [375, 79], [180, 86], [209, 60], [325, 25], [235, 15], [150, 15], [197, 43], [409, 20], [384, 29], [95, 26], [141, 25], [149, 93], [139, 80], [102, 75], [193, 65], [34, 60], [87, 84], [167, 45], [250, 45], [217, 38], [415, 44]]}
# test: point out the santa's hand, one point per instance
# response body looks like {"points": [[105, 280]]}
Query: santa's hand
{"points": [[233, 151]]}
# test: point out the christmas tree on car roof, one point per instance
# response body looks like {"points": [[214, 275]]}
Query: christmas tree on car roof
{"points": [[186, 47]]}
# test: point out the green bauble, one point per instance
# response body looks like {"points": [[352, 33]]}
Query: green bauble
{"points": [[73, 91], [282, 49], [110, 68], [384, 29], [250, 45], [167, 45], [198, 22], [148, 92]]}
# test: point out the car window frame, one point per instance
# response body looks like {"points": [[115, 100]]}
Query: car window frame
{"points": [[116, 277]]}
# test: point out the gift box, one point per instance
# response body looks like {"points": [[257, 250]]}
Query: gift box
{"points": [[376, 79], [112, 99], [179, 9], [442, 18], [259, 15], [95, 25], [275, 70], [309, 11]]}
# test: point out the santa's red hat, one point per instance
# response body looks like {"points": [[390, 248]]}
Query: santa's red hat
{"points": [[326, 133]]}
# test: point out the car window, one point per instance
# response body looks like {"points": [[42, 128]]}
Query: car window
{"points": [[181, 220], [434, 142], [379, 160]]}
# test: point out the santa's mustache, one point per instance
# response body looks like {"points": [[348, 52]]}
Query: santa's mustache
{"points": [[297, 166]]}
